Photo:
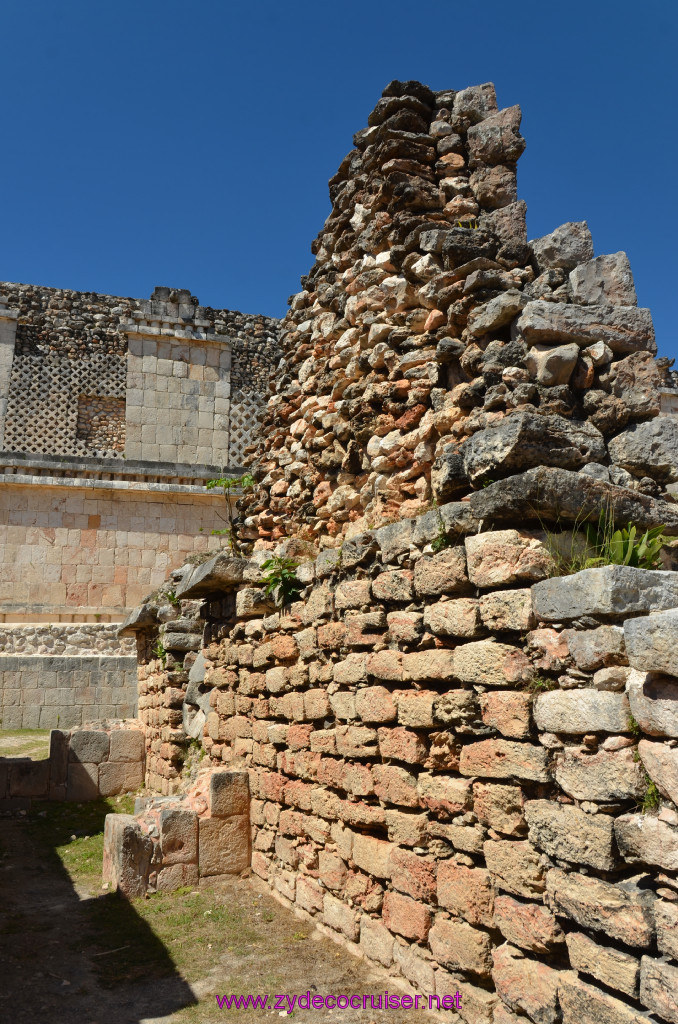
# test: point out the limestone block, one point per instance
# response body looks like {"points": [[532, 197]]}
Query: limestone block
{"points": [[526, 439], [552, 365], [223, 845], [661, 764], [515, 867], [623, 328], [376, 941], [340, 917], [504, 759], [653, 699], [120, 777], [127, 745], [614, 968], [659, 988], [586, 1004], [127, 855], [394, 539], [567, 833], [581, 711], [603, 281], [372, 855], [566, 247], [621, 911], [538, 494], [648, 449], [443, 573], [594, 648], [508, 711], [501, 806], [491, 663], [87, 745], [652, 642], [644, 839], [501, 557], [527, 925], [460, 946], [176, 876], [29, 779], [82, 782], [605, 775], [618, 590], [458, 617], [468, 892], [666, 918], [228, 794], [178, 836], [508, 611], [526, 985]]}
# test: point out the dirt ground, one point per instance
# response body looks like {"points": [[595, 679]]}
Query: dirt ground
{"points": [[33, 743], [72, 952]]}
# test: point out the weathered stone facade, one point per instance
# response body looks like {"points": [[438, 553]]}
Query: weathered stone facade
{"points": [[84, 372]]}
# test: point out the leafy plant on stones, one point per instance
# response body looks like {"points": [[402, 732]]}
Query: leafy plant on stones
{"points": [[280, 579], [592, 546], [540, 684], [634, 727], [441, 541], [229, 485], [158, 651], [651, 797]]}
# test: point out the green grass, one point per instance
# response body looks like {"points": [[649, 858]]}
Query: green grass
{"points": [[33, 743]]}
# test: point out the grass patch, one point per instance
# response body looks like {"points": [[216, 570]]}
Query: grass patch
{"points": [[33, 743]]}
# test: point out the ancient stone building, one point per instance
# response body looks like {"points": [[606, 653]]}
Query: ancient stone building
{"points": [[114, 413]]}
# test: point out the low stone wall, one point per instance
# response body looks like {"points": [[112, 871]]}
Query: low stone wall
{"points": [[463, 768], [64, 638], [42, 692], [83, 764], [175, 842]]}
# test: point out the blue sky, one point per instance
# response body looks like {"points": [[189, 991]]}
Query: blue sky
{"points": [[153, 142]]}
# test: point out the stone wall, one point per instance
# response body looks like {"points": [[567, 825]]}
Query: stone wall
{"points": [[459, 765], [44, 691], [83, 764], [433, 348], [77, 540]]}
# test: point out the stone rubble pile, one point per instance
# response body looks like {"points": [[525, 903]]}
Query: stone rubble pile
{"points": [[461, 765], [433, 349]]}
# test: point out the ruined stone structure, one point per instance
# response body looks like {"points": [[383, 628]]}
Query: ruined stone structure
{"points": [[456, 753], [431, 340], [114, 413]]}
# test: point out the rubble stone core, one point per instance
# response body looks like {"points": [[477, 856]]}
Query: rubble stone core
{"points": [[433, 347]]}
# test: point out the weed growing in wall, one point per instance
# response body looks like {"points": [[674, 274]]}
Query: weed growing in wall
{"points": [[280, 579]]}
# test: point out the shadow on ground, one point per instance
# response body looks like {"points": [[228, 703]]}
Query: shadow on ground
{"points": [[67, 956]]}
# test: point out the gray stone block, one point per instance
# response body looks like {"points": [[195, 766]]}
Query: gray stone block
{"points": [[82, 782], [567, 246], [576, 712], [610, 591], [623, 328], [90, 746], [652, 642], [127, 855], [653, 700], [644, 839], [605, 280], [648, 449]]}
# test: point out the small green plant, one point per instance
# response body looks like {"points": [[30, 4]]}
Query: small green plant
{"points": [[592, 546], [634, 727], [441, 541], [540, 684], [158, 651], [280, 579], [651, 798], [230, 484], [171, 597]]}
